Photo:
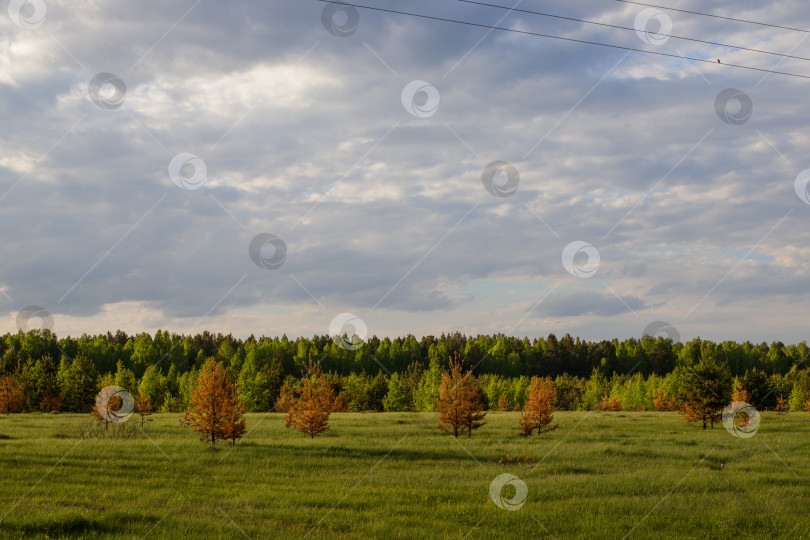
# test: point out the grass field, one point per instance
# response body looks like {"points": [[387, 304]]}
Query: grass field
{"points": [[394, 475]]}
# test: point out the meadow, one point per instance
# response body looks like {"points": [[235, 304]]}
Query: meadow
{"points": [[394, 475]]}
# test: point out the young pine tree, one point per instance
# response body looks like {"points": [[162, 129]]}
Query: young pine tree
{"points": [[234, 422], [539, 410], [312, 402], [11, 395], [143, 407], [459, 402], [212, 403], [704, 392]]}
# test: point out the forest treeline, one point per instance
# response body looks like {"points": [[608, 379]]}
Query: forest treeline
{"points": [[390, 374]]}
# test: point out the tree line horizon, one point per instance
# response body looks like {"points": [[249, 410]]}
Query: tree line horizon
{"points": [[392, 374]]}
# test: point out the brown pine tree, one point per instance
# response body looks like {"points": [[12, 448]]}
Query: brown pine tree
{"points": [[143, 407], [51, 401], [781, 405], [311, 403], [503, 403], [741, 394], [234, 422], [539, 410], [459, 402], [209, 403], [663, 401], [11, 396], [610, 403]]}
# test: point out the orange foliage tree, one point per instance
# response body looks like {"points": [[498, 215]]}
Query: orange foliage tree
{"points": [[459, 402], [11, 395], [781, 405], [214, 405], [311, 402], [143, 407], [610, 403], [741, 394], [233, 425], [663, 401], [539, 410]]}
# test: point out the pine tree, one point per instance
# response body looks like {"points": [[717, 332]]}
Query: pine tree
{"points": [[539, 410], [740, 393], [796, 399], [459, 402], [396, 399], [143, 407], [11, 395], [312, 402], [234, 422], [662, 401], [210, 403], [781, 405], [705, 390]]}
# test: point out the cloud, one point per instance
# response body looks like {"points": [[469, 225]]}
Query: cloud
{"points": [[384, 214]]}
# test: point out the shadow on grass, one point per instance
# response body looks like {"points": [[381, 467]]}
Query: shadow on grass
{"points": [[73, 524]]}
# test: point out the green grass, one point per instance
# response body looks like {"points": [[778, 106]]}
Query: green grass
{"points": [[395, 475]]}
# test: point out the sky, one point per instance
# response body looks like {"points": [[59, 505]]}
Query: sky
{"points": [[296, 167]]}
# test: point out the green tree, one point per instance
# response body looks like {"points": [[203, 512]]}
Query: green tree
{"points": [[705, 390], [396, 399], [78, 384], [428, 391], [153, 385], [125, 378]]}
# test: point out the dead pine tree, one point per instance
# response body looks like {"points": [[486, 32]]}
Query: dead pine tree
{"points": [[539, 410], [11, 395], [143, 408], [212, 404], [459, 402], [311, 403], [233, 426]]}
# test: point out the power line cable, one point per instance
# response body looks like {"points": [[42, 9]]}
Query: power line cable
{"points": [[573, 40], [585, 21], [717, 16]]}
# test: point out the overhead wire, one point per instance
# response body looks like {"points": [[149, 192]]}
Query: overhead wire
{"points": [[716, 16], [671, 36], [562, 38]]}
